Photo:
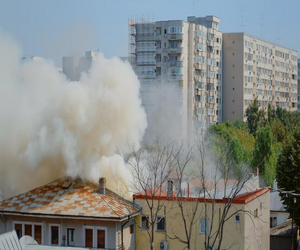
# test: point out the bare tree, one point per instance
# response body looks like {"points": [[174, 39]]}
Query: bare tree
{"points": [[214, 184], [151, 167]]}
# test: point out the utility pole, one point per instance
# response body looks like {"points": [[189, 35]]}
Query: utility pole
{"points": [[292, 234]]}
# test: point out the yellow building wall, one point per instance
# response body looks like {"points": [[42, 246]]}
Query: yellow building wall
{"points": [[236, 236]]}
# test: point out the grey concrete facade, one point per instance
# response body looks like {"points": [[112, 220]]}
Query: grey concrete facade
{"points": [[254, 68]]}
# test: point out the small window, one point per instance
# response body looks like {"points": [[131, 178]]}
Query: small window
{"points": [[237, 218], [54, 235], [233, 77], [145, 222], [165, 31], [232, 112], [161, 224], [71, 237], [232, 88], [165, 45], [232, 100], [131, 228], [233, 65], [256, 212], [204, 226], [233, 54], [233, 42]]}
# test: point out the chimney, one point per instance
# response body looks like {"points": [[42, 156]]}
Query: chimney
{"points": [[102, 185], [170, 188]]}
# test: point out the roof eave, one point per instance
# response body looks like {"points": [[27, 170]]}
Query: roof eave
{"points": [[71, 216]]}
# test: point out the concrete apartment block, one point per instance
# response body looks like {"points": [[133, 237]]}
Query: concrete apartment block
{"points": [[254, 68], [181, 62]]}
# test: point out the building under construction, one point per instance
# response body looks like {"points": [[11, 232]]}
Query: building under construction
{"points": [[179, 65]]}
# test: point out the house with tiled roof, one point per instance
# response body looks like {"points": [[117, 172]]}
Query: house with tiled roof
{"points": [[72, 213], [246, 227]]}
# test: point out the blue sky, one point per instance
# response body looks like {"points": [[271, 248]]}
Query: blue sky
{"points": [[56, 28]]}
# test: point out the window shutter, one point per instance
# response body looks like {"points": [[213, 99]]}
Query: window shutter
{"points": [[28, 230], [18, 228], [38, 234], [101, 238], [89, 237]]}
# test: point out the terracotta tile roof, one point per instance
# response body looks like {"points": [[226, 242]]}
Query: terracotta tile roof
{"points": [[155, 193], [239, 199], [67, 197]]}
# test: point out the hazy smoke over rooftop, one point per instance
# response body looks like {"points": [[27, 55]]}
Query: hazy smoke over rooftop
{"points": [[50, 127]]}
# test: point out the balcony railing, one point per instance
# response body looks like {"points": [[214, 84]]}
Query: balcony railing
{"points": [[175, 36]]}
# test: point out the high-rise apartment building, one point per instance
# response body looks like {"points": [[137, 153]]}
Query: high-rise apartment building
{"points": [[182, 63], [74, 66], [254, 68]]}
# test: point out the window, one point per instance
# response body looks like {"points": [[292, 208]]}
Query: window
{"points": [[233, 54], [145, 222], [54, 235], [237, 218], [33, 229], [273, 221], [204, 226], [88, 237], [100, 238], [165, 31], [131, 228], [160, 223], [165, 45], [256, 210], [71, 237], [38, 233], [28, 230], [18, 228]]}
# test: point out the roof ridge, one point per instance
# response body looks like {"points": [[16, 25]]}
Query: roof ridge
{"points": [[93, 185]]}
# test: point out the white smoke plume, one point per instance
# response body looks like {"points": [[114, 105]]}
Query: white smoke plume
{"points": [[50, 127]]}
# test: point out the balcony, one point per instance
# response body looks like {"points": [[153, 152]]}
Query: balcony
{"points": [[175, 36], [199, 78], [145, 37], [176, 77], [200, 66], [153, 62], [176, 63], [177, 50], [146, 49]]}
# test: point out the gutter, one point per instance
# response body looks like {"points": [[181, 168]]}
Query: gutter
{"points": [[71, 217], [5, 222]]}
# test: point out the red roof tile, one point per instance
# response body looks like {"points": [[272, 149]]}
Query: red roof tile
{"points": [[78, 198]]}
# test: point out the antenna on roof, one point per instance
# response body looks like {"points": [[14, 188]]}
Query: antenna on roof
{"points": [[242, 17], [278, 37], [262, 25], [193, 7]]}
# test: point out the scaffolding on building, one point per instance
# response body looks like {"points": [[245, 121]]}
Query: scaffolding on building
{"points": [[132, 43]]}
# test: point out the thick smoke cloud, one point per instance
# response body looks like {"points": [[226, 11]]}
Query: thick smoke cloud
{"points": [[50, 127]]}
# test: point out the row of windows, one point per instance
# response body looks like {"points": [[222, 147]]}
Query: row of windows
{"points": [[261, 70], [35, 230], [203, 225]]}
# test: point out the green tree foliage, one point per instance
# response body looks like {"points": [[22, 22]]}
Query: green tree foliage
{"points": [[265, 154], [255, 117], [236, 136], [288, 173]]}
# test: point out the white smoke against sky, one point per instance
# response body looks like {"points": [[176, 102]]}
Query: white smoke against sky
{"points": [[50, 127]]}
